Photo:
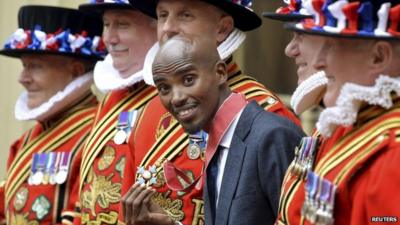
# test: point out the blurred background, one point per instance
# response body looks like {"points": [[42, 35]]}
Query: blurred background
{"points": [[262, 56]]}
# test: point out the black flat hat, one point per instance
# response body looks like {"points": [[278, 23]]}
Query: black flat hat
{"points": [[99, 6], [56, 30], [362, 19], [244, 18]]}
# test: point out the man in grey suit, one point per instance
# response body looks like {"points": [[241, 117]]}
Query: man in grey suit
{"points": [[248, 149]]}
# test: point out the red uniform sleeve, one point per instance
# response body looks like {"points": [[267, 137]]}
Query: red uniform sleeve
{"points": [[375, 192]]}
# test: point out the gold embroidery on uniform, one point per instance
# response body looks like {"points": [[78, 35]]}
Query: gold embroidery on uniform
{"points": [[160, 179], [165, 121], [22, 219], [108, 218], [198, 214], [20, 198], [103, 192], [172, 207], [90, 176], [120, 166], [107, 158]]}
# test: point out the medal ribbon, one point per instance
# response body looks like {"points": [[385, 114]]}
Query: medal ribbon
{"points": [[222, 121]]}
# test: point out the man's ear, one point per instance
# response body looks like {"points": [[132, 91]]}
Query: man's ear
{"points": [[382, 56], [225, 27], [77, 68], [221, 72]]}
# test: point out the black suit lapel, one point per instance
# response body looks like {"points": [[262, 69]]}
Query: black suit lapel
{"points": [[230, 180], [234, 162]]}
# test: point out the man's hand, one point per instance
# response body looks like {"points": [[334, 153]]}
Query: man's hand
{"points": [[140, 210]]}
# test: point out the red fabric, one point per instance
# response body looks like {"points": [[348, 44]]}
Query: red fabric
{"points": [[51, 192], [187, 207], [369, 188]]}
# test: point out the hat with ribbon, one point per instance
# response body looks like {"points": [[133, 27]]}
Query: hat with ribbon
{"points": [[99, 6], [293, 11], [369, 19], [55, 30], [244, 17]]}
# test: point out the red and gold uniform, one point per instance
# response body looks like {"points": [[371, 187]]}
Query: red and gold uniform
{"points": [[103, 161], [362, 161], [172, 143], [47, 203]]}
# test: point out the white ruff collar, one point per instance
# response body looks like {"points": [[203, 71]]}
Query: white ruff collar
{"points": [[309, 92], [225, 49], [72, 92], [349, 101], [107, 78]]}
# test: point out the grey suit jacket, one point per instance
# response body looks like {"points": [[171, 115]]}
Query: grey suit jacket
{"points": [[261, 149]]}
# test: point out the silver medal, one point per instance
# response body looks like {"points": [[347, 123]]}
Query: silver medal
{"points": [[61, 176], [120, 137], [194, 151]]}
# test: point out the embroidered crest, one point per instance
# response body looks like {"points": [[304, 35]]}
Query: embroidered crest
{"points": [[41, 206], [172, 207], [120, 166], [166, 120], [103, 192], [107, 158], [20, 198]]}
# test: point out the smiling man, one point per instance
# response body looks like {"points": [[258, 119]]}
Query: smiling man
{"points": [[311, 82], [354, 176], [57, 57], [224, 23], [245, 144], [128, 35]]}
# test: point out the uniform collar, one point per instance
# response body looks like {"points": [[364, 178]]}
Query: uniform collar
{"points": [[354, 100], [107, 78], [71, 93]]}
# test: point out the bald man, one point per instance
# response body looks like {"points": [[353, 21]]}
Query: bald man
{"points": [[248, 149]]}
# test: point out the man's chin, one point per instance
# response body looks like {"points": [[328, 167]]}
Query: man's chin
{"points": [[190, 129]]}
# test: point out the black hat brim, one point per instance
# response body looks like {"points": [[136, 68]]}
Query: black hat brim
{"points": [[244, 19], [99, 8], [18, 53], [320, 32], [285, 17]]}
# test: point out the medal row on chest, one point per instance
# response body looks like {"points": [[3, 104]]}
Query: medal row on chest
{"points": [[195, 150], [304, 157], [126, 121], [319, 199], [49, 168]]}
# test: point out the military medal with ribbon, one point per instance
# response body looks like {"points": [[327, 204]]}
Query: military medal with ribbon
{"points": [[54, 168], [33, 168], [37, 177], [225, 115], [62, 173], [50, 160], [304, 157], [126, 121], [319, 204], [197, 144]]}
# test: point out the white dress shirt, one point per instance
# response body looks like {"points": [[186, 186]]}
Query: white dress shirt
{"points": [[224, 147]]}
